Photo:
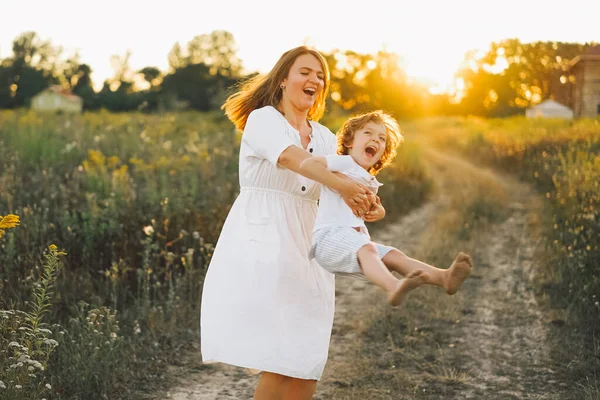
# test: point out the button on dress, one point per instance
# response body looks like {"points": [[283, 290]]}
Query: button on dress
{"points": [[265, 305]]}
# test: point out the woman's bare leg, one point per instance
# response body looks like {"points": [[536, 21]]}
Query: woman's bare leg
{"points": [[271, 386], [280, 387], [300, 389], [449, 279]]}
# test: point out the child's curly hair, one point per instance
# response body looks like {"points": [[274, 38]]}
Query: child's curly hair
{"points": [[345, 136]]}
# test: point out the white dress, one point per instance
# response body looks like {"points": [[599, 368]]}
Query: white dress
{"points": [[265, 305]]}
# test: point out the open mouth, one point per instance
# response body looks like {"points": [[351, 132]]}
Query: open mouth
{"points": [[310, 91], [371, 150]]}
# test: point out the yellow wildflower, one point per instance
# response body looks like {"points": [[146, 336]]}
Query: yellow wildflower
{"points": [[7, 222], [96, 157], [53, 249], [113, 161]]}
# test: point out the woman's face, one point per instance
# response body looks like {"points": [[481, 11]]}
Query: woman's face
{"points": [[304, 83]]}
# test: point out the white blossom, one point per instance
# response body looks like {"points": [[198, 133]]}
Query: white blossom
{"points": [[51, 342], [48, 386], [2, 385], [18, 387]]}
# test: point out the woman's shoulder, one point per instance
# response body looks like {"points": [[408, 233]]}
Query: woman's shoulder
{"points": [[265, 112], [324, 131], [266, 115]]}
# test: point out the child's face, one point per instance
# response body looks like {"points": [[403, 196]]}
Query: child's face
{"points": [[368, 144]]}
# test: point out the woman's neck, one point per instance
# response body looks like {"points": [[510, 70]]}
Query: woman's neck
{"points": [[298, 119]]}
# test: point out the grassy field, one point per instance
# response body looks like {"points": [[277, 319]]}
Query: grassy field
{"points": [[100, 284], [562, 160]]}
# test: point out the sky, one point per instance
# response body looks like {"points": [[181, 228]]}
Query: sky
{"points": [[430, 36]]}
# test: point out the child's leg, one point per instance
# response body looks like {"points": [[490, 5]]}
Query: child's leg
{"points": [[376, 272], [449, 279]]}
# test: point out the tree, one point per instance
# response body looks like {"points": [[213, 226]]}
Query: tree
{"points": [[30, 50], [511, 76], [123, 77], [28, 71], [151, 75], [84, 87], [70, 71], [216, 50], [192, 84], [360, 82]]}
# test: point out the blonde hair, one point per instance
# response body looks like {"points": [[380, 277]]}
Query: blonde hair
{"points": [[265, 90], [345, 136]]}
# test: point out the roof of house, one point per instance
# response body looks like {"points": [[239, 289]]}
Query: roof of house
{"points": [[66, 93], [591, 53], [550, 104]]}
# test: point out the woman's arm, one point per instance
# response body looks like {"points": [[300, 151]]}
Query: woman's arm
{"points": [[302, 162]]}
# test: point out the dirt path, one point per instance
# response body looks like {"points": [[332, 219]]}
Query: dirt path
{"points": [[502, 343], [490, 341]]}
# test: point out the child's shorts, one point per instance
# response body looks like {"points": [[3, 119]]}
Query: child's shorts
{"points": [[336, 248]]}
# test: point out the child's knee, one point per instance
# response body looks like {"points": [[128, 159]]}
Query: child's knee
{"points": [[368, 249], [398, 253]]}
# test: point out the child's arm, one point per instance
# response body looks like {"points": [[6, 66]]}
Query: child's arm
{"points": [[314, 165], [315, 168], [318, 165]]}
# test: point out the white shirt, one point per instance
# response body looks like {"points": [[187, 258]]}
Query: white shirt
{"points": [[333, 210], [265, 304]]}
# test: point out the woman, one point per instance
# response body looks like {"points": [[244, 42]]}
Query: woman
{"points": [[265, 305]]}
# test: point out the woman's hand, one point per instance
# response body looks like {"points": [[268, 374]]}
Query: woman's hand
{"points": [[358, 197], [376, 212]]}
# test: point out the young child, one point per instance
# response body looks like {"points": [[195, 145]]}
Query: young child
{"points": [[341, 243]]}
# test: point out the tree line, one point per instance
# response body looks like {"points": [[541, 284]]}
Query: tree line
{"points": [[502, 80]]}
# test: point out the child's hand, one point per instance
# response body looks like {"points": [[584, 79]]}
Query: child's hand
{"points": [[376, 212]]}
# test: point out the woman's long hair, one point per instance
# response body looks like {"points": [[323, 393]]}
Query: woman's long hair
{"points": [[265, 90]]}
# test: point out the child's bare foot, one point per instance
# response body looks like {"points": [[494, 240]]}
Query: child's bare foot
{"points": [[405, 285], [458, 272]]}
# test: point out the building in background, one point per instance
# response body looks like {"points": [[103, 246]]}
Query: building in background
{"points": [[56, 99], [585, 96], [549, 109]]}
